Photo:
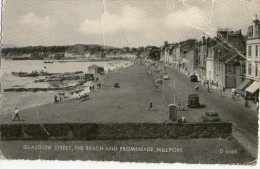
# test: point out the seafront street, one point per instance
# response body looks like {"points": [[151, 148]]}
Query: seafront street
{"points": [[244, 120], [136, 89], [229, 110]]}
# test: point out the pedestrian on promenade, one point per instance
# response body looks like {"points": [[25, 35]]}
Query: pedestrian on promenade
{"points": [[208, 88], [179, 105], [60, 98], [237, 96], [55, 99], [223, 89], [233, 93], [257, 106], [183, 106], [197, 87], [156, 87], [118, 105], [150, 105], [16, 114]]}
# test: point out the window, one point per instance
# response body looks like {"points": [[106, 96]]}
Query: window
{"points": [[256, 50], [250, 32], [256, 69], [249, 68], [258, 31], [243, 70], [249, 51]]}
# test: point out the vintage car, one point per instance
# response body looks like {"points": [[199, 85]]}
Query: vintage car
{"points": [[166, 77], [193, 101], [194, 78], [210, 117]]}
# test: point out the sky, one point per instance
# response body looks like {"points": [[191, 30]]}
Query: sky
{"points": [[120, 23]]}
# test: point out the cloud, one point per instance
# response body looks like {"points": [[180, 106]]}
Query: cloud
{"points": [[192, 17], [131, 18], [33, 20]]}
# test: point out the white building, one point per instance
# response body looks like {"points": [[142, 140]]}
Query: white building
{"points": [[252, 82]]}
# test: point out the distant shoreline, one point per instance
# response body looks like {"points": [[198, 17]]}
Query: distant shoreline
{"points": [[71, 60]]}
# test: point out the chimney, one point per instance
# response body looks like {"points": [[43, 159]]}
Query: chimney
{"points": [[165, 43], [203, 40]]}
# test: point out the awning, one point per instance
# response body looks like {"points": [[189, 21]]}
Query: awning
{"points": [[243, 85], [253, 87]]}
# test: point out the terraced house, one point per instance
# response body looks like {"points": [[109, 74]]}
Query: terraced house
{"points": [[189, 55], [226, 62]]}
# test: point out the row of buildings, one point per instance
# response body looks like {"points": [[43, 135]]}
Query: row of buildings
{"points": [[229, 60]]}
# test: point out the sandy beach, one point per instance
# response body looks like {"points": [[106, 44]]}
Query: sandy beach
{"points": [[136, 88]]}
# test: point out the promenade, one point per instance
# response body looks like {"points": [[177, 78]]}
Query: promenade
{"points": [[136, 89]]}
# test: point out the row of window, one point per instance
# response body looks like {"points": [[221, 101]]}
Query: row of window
{"points": [[253, 69], [251, 29], [250, 50]]}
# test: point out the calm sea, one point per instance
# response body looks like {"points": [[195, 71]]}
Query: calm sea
{"points": [[24, 100]]}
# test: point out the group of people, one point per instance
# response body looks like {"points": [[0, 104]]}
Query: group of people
{"points": [[235, 95], [182, 105], [57, 98]]}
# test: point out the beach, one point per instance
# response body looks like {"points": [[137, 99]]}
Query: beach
{"points": [[33, 99], [133, 95]]}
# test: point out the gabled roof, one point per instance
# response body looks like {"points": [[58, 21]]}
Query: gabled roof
{"points": [[228, 49]]}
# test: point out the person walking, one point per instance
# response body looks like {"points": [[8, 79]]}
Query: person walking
{"points": [[150, 105], [156, 87], [197, 87], [208, 88], [183, 106], [237, 96], [257, 106], [233, 93], [60, 98], [55, 99], [16, 114], [179, 105]]}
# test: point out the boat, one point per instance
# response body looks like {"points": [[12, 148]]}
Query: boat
{"points": [[62, 62], [48, 61], [25, 74]]}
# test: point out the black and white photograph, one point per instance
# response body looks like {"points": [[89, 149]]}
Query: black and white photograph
{"points": [[141, 81]]}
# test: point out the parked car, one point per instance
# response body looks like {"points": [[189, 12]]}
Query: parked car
{"points": [[194, 78], [210, 117], [193, 101], [166, 77]]}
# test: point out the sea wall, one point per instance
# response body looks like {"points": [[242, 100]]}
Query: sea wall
{"points": [[114, 131]]}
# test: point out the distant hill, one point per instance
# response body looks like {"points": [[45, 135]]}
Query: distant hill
{"points": [[80, 48]]}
